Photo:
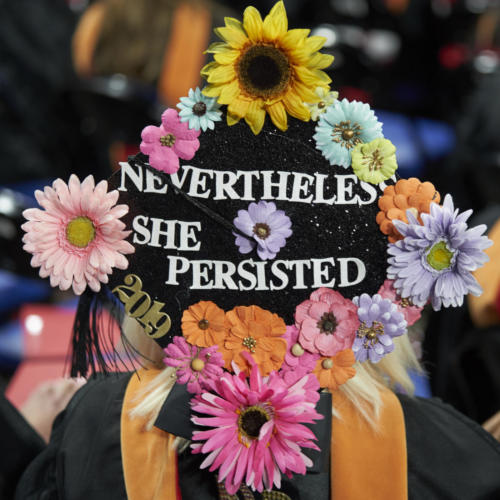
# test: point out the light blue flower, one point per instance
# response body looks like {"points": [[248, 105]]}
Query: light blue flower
{"points": [[199, 110], [344, 125]]}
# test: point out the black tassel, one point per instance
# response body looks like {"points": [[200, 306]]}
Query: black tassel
{"points": [[93, 347]]}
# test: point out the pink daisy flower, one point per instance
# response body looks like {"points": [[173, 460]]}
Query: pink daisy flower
{"points": [[78, 238], [256, 429], [195, 366], [169, 142], [327, 322], [297, 360], [410, 312]]}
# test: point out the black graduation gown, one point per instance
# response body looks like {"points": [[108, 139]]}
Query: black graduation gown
{"points": [[449, 456]]}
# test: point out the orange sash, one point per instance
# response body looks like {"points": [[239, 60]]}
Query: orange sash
{"points": [[364, 464], [148, 457]]}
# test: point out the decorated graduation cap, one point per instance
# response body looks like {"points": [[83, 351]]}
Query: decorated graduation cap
{"points": [[262, 232]]}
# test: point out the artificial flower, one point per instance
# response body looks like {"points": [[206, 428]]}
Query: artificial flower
{"points": [[327, 98], [410, 311], [435, 259], [343, 126], [255, 429], [203, 324], [197, 367], [199, 110], [78, 238], [374, 161], [257, 331], [268, 227], [261, 67], [380, 322], [327, 322], [334, 371], [169, 142], [406, 194], [297, 360]]}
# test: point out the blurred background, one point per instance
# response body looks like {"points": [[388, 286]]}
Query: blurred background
{"points": [[79, 80]]}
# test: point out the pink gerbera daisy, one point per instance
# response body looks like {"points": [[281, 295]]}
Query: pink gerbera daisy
{"points": [[78, 238], [327, 322], [195, 366], [256, 428], [169, 142]]}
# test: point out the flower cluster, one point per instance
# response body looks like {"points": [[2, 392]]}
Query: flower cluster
{"points": [[435, 259], [78, 238]]}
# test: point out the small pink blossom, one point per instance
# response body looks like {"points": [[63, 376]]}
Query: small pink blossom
{"points": [[297, 360], [410, 312], [169, 142], [327, 322], [195, 366]]}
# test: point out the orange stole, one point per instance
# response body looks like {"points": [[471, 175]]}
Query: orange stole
{"points": [[148, 457], [365, 464]]}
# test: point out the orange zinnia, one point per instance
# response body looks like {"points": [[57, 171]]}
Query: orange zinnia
{"points": [[397, 199], [257, 331], [336, 370], [203, 324]]}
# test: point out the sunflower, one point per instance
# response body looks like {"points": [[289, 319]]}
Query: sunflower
{"points": [[261, 66]]}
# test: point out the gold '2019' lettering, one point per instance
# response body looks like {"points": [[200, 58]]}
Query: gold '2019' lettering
{"points": [[138, 305]]}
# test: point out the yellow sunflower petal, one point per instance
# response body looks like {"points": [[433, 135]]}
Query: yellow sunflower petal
{"points": [[221, 74], [232, 119], [212, 90], [314, 43], [205, 71], [276, 22], [295, 107], [215, 47], [255, 116], [229, 93], [311, 78], [252, 24], [238, 107], [294, 38], [278, 115], [227, 57], [235, 38], [320, 61], [306, 93]]}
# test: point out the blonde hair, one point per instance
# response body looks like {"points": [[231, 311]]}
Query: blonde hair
{"points": [[363, 390]]}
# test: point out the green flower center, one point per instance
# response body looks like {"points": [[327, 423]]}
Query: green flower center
{"points": [[251, 420], [80, 232], [199, 109], [439, 256], [327, 323], [167, 140], [264, 71], [250, 343]]}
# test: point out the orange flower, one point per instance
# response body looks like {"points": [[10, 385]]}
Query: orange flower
{"points": [[334, 371], [203, 324], [257, 331], [405, 194]]}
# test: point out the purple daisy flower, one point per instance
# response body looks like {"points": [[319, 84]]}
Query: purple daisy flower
{"points": [[195, 366], [435, 260], [380, 322], [268, 227]]}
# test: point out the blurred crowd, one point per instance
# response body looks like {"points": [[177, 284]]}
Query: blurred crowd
{"points": [[79, 81]]}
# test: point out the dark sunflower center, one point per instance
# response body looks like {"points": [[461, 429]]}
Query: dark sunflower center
{"points": [[203, 324], [264, 71], [327, 323], [200, 108], [251, 421], [262, 230]]}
